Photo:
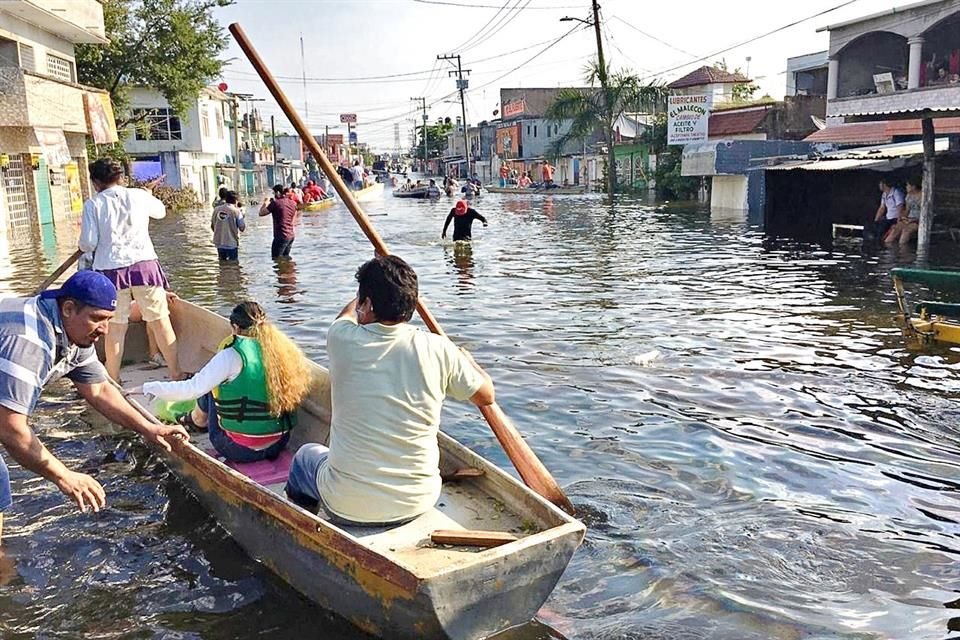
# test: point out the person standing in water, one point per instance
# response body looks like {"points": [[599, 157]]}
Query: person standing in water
{"points": [[462, 217]]}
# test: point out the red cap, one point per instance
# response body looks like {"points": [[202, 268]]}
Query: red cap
{"points": [[460, 208]]}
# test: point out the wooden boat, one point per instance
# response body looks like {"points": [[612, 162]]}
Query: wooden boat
{"points": [[372, 192], [554, 191], [928, 322], [318, 205], [390, 582], [419, 193]]}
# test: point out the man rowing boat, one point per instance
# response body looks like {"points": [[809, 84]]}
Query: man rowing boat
{"points": [[388, 382], [42, 339]]}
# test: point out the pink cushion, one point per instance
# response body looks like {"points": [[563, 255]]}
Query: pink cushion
{"points": [[263, 472]]}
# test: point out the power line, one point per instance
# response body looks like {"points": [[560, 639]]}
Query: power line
{"points": [[489, 6], [532, 58], [754, 39], [500, 26], [479, 31], [653, 37]]}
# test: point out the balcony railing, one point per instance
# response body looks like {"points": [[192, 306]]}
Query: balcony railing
{"points": [[937, 98]]}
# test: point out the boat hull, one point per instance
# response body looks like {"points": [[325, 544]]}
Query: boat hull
{"points": [[418, 194], [321, 205], [392, 583], [372, 192]]}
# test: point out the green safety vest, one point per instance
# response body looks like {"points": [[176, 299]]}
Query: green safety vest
{"points": [[243, 404]]}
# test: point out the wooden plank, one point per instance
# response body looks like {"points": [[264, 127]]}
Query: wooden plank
{"points": [[462, 474], [467, 538]]}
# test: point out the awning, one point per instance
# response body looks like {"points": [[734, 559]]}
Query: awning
{"points": [[882, 158]]}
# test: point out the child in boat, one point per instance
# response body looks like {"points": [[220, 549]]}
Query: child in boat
{"points": [[247, 393]]}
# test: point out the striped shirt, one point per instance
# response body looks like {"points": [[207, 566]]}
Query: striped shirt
{"points": [[35, 351]]}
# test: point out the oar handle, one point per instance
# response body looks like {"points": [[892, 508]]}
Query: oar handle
{"points": [[58, 272], [531, 470]]}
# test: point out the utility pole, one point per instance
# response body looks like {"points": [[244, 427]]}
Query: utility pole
{"points": [[423, 105], [608, 125], [236, 142], [462, 86], [273, 144]]}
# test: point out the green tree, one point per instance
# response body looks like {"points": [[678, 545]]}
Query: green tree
{"points": [[742, 92], [170, 45], [436, 139], [600, 108], [671, 185]]}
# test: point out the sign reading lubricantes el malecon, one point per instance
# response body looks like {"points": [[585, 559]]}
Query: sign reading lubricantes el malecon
{"points": [[687, 118]]}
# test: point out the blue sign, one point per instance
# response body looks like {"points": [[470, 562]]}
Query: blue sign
{"points": [[353, 137]]}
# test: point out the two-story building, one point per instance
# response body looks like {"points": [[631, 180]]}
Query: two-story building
{"points": [[892, 76], [45, 115], [187, 149]]}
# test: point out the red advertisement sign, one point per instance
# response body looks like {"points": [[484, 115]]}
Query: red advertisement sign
{"points": [[514, 108]]}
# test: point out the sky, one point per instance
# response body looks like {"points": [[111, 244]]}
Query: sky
{"points": [[370, 57]]}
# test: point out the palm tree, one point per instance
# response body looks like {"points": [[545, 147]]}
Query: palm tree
{"points": [[588, 110]]}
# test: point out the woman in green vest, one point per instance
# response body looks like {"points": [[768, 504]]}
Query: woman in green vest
{"points": [[247, 393]]}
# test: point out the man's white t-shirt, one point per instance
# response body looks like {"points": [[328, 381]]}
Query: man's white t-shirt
{"points": [[892, 200], [357, 172], [387, 388]]}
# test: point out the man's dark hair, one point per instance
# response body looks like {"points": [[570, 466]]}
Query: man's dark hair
{"points": [[106, 171], [77, 304], [391, 284], [230, 197], [223, 192]]}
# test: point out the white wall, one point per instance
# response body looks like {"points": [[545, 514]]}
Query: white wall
{"points": [[192, 137], [729, 192]]}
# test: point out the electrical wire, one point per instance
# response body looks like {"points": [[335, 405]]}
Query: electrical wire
{"points": [[653, 37], [533, 57], [489, 6], [479, 31], [500, 26]]}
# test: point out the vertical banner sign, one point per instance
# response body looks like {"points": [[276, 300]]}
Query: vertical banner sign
{"points": [[687, 118]]}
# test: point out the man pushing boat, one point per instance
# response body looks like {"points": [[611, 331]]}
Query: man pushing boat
{"points": [[42, 339]]}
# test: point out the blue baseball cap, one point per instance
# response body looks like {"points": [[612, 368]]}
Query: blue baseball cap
{"points": [[88, 287]]}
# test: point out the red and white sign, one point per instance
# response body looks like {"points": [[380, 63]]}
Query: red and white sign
{"points": [[348, 118], [514, 108]]}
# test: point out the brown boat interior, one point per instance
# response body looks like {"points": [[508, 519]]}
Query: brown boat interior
{"points": [[491, 501]]}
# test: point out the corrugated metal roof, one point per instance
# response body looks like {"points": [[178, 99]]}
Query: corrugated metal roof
{"points": [[890, 112], [881, 158]]}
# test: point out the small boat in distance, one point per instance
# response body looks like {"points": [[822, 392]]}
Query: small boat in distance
{"points": [[928, 322], [438, 576], [318, 205], [420, 193], [545, 191]]}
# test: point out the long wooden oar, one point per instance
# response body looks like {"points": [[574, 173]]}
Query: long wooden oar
{"points": [[58, 272], [534, 474]]}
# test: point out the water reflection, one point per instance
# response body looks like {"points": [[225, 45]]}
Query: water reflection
{"points": [[286, 270], [460, 257]]}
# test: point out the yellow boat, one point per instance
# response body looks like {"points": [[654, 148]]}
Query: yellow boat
{"points": [[372, 192], [318, 205], [928, 322]]}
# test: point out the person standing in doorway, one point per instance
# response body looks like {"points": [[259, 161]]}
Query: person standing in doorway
{"points": [[115, 228], [227, 223], [283, 210], [462, 216], [892, 208]]}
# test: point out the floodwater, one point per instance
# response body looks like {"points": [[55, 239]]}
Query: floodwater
{"points": [[735, 417]]}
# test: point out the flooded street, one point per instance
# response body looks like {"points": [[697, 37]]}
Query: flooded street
{"points": [[755, 453]]}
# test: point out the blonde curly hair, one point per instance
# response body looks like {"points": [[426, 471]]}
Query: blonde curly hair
{"points": [[289, 377]]}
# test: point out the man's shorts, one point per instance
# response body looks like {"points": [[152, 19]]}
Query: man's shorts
{"points": [[6, 496], [151, 300]]}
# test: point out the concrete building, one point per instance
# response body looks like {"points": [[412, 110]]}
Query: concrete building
{"points": [[901, 60], [807, 74], [45, 114], [186, 149]]}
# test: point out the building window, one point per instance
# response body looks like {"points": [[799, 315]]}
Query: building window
{"points": [[157, 124], [27, 61], [219, 113], [204, 122], [60, 68], [528, 129], [534, 131]]}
